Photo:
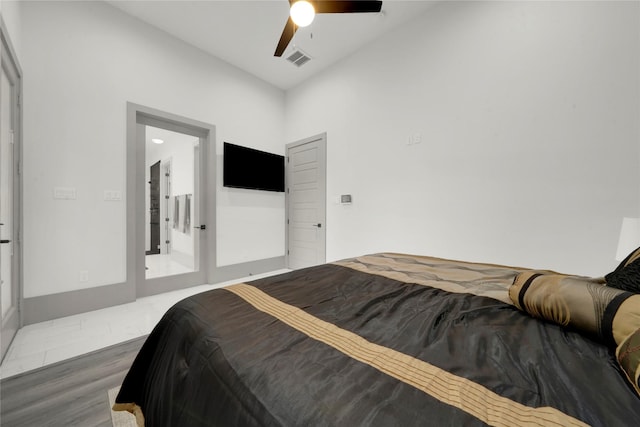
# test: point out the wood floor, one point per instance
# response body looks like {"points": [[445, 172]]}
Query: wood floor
{"points": [[69, 393]]}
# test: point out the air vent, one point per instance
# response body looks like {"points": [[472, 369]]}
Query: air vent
{"points": [[298, 58]]}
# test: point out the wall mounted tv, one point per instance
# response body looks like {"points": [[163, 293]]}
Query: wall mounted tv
{"points": [[244, 167]]}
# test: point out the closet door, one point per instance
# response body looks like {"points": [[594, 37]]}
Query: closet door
{"points": [[306, 202]]}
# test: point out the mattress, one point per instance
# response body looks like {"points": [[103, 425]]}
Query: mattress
{"points": [[379, 340]]}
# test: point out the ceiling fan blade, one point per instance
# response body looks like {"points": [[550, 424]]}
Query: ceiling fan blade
{"points": [[355, 6], [285, 38]]}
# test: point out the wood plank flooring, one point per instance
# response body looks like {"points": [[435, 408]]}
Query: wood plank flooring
{"points": [[68, 393]]}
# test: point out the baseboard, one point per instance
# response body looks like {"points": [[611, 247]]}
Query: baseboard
{"points": [[188, 260], [49, 307], [245, 269]]}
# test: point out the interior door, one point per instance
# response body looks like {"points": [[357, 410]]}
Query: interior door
{"points": [[9, 200], [306, 202]]}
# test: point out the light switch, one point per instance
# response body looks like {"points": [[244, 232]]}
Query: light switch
{"points": [[64, 193], [345, 198], [415, 138]]}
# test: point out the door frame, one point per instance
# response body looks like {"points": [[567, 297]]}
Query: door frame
{"points": [[322, 139], [139, 116], [7, 54]]}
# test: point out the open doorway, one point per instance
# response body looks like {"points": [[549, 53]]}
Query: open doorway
{"points": [[171, 202], [185, 255]]}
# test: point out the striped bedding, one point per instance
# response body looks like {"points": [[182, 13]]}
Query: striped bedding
{"points": [[379, 340]]}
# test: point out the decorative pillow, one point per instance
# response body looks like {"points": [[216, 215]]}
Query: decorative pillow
{"points": [[628, 355], [608, 314], [581, 303], [627, 275]]}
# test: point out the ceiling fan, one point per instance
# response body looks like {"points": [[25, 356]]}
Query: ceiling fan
{"points": [[308, 9]]}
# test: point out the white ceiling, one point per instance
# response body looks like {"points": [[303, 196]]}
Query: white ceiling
{"points": [[245, 32]]}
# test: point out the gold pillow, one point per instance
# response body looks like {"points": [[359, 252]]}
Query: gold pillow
{"points": [[587, 305], [582, 303], [628, 355]]}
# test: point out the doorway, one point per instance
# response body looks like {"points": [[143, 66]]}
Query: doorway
{"points": [[10, 196], [172, 207], [172, 200], [306, 202]]}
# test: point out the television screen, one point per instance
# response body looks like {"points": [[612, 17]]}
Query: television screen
{"points": [[253, 169]]}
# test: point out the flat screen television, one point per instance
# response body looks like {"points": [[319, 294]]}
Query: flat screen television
{"points": [[244, 167]]}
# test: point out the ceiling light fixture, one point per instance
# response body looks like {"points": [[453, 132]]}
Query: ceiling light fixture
{"points": [[157, 140], [302, 13]]}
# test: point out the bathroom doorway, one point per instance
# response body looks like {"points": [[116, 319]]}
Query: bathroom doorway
{"points": [[170, 201]]}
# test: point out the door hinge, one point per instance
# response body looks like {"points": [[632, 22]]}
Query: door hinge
{"points": [[287, 220], [13, 137], [167, 242]]}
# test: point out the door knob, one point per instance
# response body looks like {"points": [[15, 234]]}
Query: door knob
{"points": [[319, 225], [5, 241]]}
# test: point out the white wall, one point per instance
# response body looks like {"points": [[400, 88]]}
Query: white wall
{"points": [[83, 62], [529, 117]]}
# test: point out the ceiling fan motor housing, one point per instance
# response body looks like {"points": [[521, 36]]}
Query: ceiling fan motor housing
{"points": [[325, 6]]}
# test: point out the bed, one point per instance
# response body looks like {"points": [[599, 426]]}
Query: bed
{"points": [[395, 340]]}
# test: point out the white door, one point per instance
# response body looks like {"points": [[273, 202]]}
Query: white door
{"points": [[306, 202], [9, 201]]}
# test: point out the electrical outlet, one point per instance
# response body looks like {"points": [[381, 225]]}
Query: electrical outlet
{"points": [[112, 195], [84, 276]]}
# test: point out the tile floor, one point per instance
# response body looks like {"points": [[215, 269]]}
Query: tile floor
{"points": [[162, 265], [41, 344]]}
